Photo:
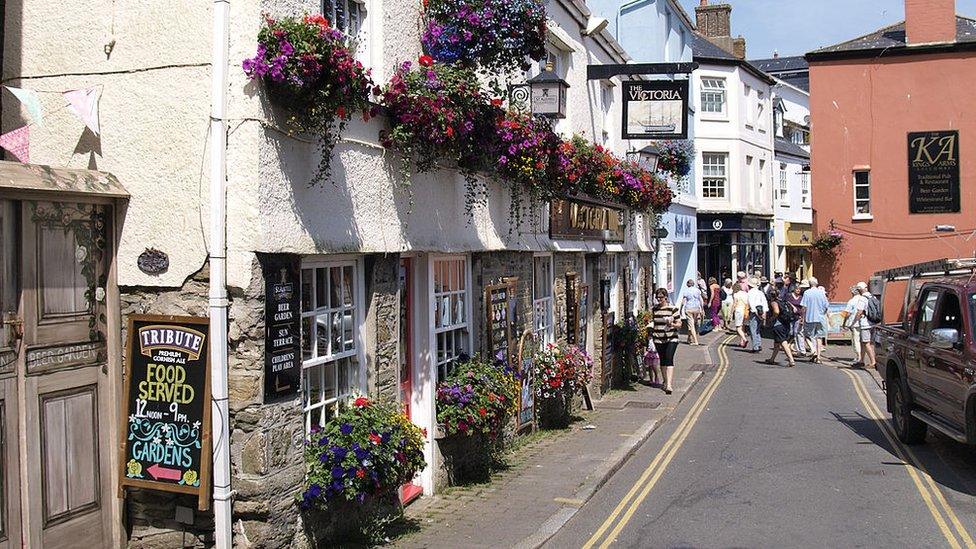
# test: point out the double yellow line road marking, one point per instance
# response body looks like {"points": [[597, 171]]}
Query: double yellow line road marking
{"points": [[934, 500], [625, 510]]}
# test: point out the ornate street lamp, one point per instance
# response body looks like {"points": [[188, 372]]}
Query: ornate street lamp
{"points": [[646, 157], [548, 93]]}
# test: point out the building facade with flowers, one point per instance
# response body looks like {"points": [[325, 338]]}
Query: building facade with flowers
{"points": [[395, 266]]}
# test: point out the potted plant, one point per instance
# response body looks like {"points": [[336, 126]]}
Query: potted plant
{"points": [[827, 243], [354, 466], [474, 404], [559, 373], [309, 71]]}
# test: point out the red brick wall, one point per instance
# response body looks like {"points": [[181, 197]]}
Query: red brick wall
{"points": [[928, 21]]}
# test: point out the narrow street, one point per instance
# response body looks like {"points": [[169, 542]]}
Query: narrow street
{"points": [[767, 456]]}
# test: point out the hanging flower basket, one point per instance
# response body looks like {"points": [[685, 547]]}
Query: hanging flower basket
{"points": [[309, 71], [439, 112], [497, 35], [828, 242], [529, 158], [676, 157]]}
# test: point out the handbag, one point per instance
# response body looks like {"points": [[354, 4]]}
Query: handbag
{"points": [[651, 357]]}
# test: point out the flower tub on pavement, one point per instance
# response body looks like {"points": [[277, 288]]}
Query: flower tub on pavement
{"points": [[474, 405], [354, 466], [559, 373], [310, 72]]}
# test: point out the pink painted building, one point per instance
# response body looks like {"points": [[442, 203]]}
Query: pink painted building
{"points": [[894, 144]]}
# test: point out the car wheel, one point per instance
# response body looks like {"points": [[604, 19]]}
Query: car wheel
{"points": [[909, 428]]}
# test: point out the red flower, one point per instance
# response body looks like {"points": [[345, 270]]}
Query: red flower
{"points": [[361, 473], [341, 111], [424, 431], [425, 60], [496, 102], [483, 412], [317, 20], [374, 438], [450, 131], [361, 402]]}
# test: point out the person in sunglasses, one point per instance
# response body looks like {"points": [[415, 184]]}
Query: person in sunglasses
{"points": [[665, 321]]}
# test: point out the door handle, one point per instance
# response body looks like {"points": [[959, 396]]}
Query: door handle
{"points": [[14, 325], [911, 353]]}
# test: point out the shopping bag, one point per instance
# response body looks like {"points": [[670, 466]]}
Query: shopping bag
{"points": [[705, 327]]}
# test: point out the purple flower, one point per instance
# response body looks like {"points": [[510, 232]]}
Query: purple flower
{"points": [[324, 441], [286, 48], [339, 452], [337, 486], [314, 490], [345, 428], [337, 472]]}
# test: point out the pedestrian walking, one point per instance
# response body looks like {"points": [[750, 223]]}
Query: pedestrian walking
{"points": [[740, 312], [793, 300], [691, 303], [867, 315], [714, 301], [789, 284], [665, 321], [726, 295], [850, 322], [815, 307], [758, 306], [781, 321]]}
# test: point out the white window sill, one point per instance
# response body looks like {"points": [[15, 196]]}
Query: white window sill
{"points": [[862, 217], [714, 118]]}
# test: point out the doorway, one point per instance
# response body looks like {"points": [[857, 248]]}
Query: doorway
{"points": [[56, 394], [411, 490]]}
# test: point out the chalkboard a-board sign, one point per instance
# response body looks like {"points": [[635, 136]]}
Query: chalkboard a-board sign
{"points": [[500, 318], [282, 321], [166, 419]]}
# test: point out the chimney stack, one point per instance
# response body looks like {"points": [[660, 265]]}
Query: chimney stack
{"points": [[930, 21], [715, 23]]}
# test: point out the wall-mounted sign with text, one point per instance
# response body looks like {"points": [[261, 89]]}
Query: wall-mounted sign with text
{"points": [[655, 109], [166, 417], [933, 172], [282, 325], [574, 220]]}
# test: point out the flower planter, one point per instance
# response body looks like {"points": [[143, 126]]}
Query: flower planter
{"points": [[467, 458], [352, 522], [555, 413]]}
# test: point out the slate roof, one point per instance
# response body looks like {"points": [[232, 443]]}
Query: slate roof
{"points": [[776, 65], [893, 36], [785, 146]]}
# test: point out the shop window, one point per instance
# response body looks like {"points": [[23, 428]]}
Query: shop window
{"points": [[862, 193], [349, 18], [542, 300], [451, 331], [805, 189], [713, 95], [783, 187], [714, 175], [633, 284], [612, 276], [330, 338]]}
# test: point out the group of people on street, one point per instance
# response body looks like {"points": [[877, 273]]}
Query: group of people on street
{"points": [[796, 314]]}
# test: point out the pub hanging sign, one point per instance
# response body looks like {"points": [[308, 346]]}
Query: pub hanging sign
{"points": [[656, 109], [933, 172], [166, 418]]}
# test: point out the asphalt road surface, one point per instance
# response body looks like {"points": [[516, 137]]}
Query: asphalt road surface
{"points": [[769, 456]]}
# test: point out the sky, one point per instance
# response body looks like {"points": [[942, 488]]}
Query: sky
{"points": [[794, 27]]}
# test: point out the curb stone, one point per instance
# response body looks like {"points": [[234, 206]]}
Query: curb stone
{"points": [[611, 465]]}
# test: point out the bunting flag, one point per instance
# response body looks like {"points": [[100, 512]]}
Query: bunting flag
{"points": [[18, 143], [84, 103], [31, 102]]}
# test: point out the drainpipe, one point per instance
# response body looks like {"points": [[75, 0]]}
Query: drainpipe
{"points": [[218, 276]]}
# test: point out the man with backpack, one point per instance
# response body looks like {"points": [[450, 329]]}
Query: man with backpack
{"points": [[867, 316]]}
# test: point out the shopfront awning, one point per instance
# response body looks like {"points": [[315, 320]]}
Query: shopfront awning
{"points": [[38, 178]]}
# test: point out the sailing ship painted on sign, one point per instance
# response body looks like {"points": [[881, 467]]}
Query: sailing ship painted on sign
{"points": [[655, 117]]}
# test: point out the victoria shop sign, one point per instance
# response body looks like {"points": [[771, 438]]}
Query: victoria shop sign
{"points": [[166, 420]]}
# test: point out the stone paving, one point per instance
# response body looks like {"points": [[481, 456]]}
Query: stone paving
{"points": [[553, 473]]}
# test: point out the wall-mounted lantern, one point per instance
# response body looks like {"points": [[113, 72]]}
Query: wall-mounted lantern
{"points": [[646, 157], [548, 93]]}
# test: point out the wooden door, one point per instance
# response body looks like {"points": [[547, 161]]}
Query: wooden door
{"points": [[65, 415], [10, 349]]}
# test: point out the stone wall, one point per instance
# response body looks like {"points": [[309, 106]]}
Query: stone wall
{"points": [[266, 438], [490, 268], [383, 325]]}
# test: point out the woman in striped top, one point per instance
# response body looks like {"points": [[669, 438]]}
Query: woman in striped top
{"points": [[665, 321]]}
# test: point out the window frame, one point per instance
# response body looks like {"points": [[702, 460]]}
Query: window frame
{"points": [[464, 329], [356, 356], [858, 201], [805, 189], [719, 90], [360, 42], [784, 196], [722, 191], [543, 327]]}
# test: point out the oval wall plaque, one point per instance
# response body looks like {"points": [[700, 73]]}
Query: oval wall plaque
{"points": [[153, 261]]}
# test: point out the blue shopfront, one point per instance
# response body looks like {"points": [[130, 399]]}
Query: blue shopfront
{"points": [[677, 257]]}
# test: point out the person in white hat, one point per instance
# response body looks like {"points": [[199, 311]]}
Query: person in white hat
{"points": [[849, 313], [863, 327]]}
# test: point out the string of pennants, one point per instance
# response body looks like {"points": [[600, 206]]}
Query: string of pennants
{"points": [[83, 103]]}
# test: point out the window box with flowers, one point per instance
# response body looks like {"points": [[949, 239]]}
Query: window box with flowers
{"points": [[354, 466], [474, 405], [559, 373], [309, 71]]}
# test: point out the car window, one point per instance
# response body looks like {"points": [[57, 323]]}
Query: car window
{"points": [[926, 311], [950, 314]]}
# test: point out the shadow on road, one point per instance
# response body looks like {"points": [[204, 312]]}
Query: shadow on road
{"points": [[949, 463]]}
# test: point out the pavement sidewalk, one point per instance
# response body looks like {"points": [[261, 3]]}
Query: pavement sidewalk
{"points": [[554, 474]]}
